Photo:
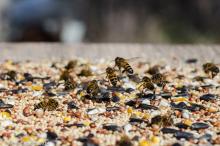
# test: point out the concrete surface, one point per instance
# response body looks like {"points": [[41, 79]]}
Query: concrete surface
{"points": [[48, 51]]}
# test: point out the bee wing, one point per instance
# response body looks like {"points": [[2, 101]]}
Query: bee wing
{"points": [[132, 59], [129, 59]]}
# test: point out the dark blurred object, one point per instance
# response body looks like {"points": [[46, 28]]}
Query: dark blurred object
{"points": [[173, 21], [42, 20]]}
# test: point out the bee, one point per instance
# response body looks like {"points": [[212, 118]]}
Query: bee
{"points": [[70, 84], [71, 64], [65, 75], [146, 83], [153, 70], [93, 88], [111, 75], [10, 75], [162, 121], [47, 104], [122, 63], [52, 104], [211, 69], [159, 80]]}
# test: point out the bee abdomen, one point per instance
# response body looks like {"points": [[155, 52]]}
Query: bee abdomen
{"points": [[129, 69], [149, 85], [114, 81], [52, 104]]}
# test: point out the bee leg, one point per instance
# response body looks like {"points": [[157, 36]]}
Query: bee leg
{"points": [[139, 86], [213, 74], [124, 71]]}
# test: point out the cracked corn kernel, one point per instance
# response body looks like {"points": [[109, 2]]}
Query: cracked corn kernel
{"points": [[67, 119], [26, 139], [144, 143], [6, 115], [130, 110], [155, 139], [87, 123], [41, 140], [180, 99], [187, 122], [37, 87], [146, 116], [121, 96]]}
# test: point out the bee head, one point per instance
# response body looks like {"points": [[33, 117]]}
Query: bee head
{"points": [[118, 60], [109, 70], [146, 79]]}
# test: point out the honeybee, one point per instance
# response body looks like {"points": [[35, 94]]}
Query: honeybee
{"points": [[71, 64], [93, 88], [159, 80], [65, 75], [122, 63], [211, 69], [47, 104], [153, 70], [70, 84], [146, 83], [162, 121], [111, 75], [10, 75]]}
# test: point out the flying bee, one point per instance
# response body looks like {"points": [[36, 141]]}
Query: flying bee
{"points": [[123, 63], [153, 70], [93, 88], [211, 69], [146, 83], [70, 84], [47, 104], [112, 76], [159, 80], [65, 75]]}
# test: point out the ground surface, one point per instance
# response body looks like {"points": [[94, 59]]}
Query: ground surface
{"points": [[184, 112]]}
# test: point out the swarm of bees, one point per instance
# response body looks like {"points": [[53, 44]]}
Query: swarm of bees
{"points": [[121, 66]]}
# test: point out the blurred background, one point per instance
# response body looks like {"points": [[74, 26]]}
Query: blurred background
{"points": [[139, 21]]}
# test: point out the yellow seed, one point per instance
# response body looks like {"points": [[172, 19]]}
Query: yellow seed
{"points": [[144, 143], [5, 115], [121, 96], [67, 119], [82, 93], [188, 122], [41, 140], [87, 123], [180, 99], [138, 113], [212, 109], [26, 139], [129, 110], [146, 116], [132, 96], [155, 139], [37, 87]]}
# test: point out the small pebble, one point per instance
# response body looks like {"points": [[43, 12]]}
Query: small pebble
{"points": [[39, 113], [185, 114], [27, 111], [95, 111]]}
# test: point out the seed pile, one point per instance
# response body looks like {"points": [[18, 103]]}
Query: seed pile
{"points": [[98, 104]]}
